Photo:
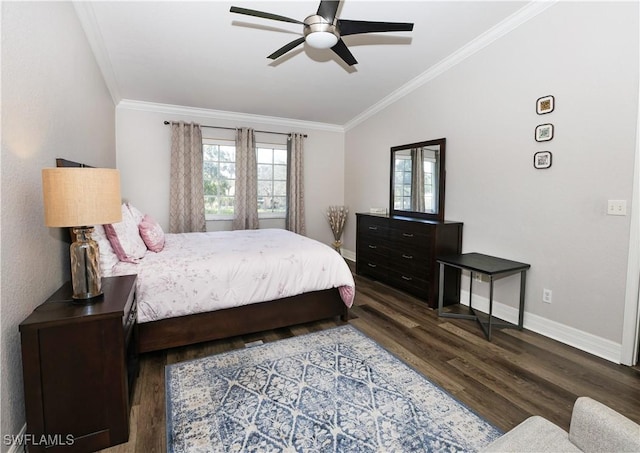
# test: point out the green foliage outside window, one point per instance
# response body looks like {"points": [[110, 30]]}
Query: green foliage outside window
{"points": [[219, 175]]}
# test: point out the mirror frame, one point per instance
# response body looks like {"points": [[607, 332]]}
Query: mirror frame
{"points": [[439, 215]]}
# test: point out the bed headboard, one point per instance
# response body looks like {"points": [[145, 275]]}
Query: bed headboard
{"points": [[69, 163]]}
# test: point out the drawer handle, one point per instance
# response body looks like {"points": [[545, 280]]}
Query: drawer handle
{"points": [[407, 278], [407, 235], [409, 257], [372, 265], [373, 246], [133, 314], [373, 227]]}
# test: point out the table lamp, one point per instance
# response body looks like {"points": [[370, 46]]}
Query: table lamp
{"points": [[80, 198]]}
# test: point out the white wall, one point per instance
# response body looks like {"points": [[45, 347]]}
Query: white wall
{"points": [[586, 55], [144, 149], [54, 104]]}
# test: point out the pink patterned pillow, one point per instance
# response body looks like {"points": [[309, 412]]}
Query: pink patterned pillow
{"points": [[152, 234], [125, 239]]}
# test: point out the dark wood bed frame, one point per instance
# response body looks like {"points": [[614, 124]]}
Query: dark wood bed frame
{"points": [[196, 328], [184, 330]]}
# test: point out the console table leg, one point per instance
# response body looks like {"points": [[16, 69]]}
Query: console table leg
{"points": [[441, 290], [470, 290], [490, 306], [523, 285]]}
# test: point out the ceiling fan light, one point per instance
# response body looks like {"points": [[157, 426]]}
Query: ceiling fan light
{"points": [[321, 40]]}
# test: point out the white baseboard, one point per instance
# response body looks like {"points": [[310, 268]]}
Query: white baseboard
{"points": [[571, 336], [15, 447], [601, 347], [349, 255]]}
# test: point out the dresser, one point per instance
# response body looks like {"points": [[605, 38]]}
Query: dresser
{"points": [[402, 251], [79, 367]]}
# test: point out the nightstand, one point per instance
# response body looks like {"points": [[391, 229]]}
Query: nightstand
{"points": [[79, 365]]}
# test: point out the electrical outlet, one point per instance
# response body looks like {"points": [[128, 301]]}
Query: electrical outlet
{"points": [[617, 207], [546, 296]]}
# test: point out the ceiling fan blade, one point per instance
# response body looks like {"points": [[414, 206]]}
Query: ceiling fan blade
{"points": [[284, 49], [328, 10], [354, 27], [343, 52], [253, 12]]}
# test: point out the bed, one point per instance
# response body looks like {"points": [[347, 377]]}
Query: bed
{"points": [[198, 287], [205, 286]]}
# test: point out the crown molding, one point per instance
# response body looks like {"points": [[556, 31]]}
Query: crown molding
{"points": [[87, 17], [224, 115], [527, 12]]}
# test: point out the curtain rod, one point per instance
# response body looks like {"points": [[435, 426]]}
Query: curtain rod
{"points": [[235, 128]]}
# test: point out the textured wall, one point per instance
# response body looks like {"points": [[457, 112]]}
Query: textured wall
{"points": [[586, 55], [54, 104]]}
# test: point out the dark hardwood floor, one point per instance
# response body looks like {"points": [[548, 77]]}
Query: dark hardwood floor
{"points": [[517, 374]]}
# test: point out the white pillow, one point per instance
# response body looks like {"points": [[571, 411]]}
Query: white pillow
{"points": [[135, 213], [125, 239], [108, 257]]}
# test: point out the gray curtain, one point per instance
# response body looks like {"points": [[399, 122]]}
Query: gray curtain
{"points": [[295, 188], [186, 192], [246, 197], [417, 179]]}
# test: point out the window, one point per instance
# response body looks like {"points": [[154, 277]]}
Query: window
{"points": [[402, 190], [219, 177], [403, 183], [272, 181], [429, 189]]}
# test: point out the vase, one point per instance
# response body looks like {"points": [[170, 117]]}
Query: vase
{"points": [[85, 265]]}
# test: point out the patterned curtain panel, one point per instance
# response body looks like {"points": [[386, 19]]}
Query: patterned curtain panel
{"points": [[417, 179], [246, 198], [295, 189], [186, 193]]}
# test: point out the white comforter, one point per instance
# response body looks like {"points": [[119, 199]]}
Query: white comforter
{"points": [[199, 272]]}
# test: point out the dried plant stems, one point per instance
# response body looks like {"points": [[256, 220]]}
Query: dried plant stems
{"points": [[337, 217]]}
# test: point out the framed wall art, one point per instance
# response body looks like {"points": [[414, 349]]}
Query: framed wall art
{"points": [[544, 132], [545, 104], [542, 159]]}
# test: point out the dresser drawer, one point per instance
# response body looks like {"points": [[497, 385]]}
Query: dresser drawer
{"points": [[372, 245], [376, 268], [409, 283], [414, 238], [373, 228], [409, 256]]}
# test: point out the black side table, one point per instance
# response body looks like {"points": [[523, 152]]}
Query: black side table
{"points": [[494, 268]]}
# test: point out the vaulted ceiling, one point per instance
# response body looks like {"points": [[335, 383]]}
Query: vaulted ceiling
{"points": [[200, 55]]}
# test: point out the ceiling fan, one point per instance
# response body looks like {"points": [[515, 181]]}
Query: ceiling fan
{"points": [[324, 30]]}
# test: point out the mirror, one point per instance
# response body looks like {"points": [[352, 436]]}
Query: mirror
{"points": [[417, 180]]}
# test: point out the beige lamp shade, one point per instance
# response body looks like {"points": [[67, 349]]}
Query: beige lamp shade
{"points": [[76, 197]]}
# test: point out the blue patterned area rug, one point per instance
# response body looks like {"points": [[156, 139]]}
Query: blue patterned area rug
{"points": [[330, 391]]}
